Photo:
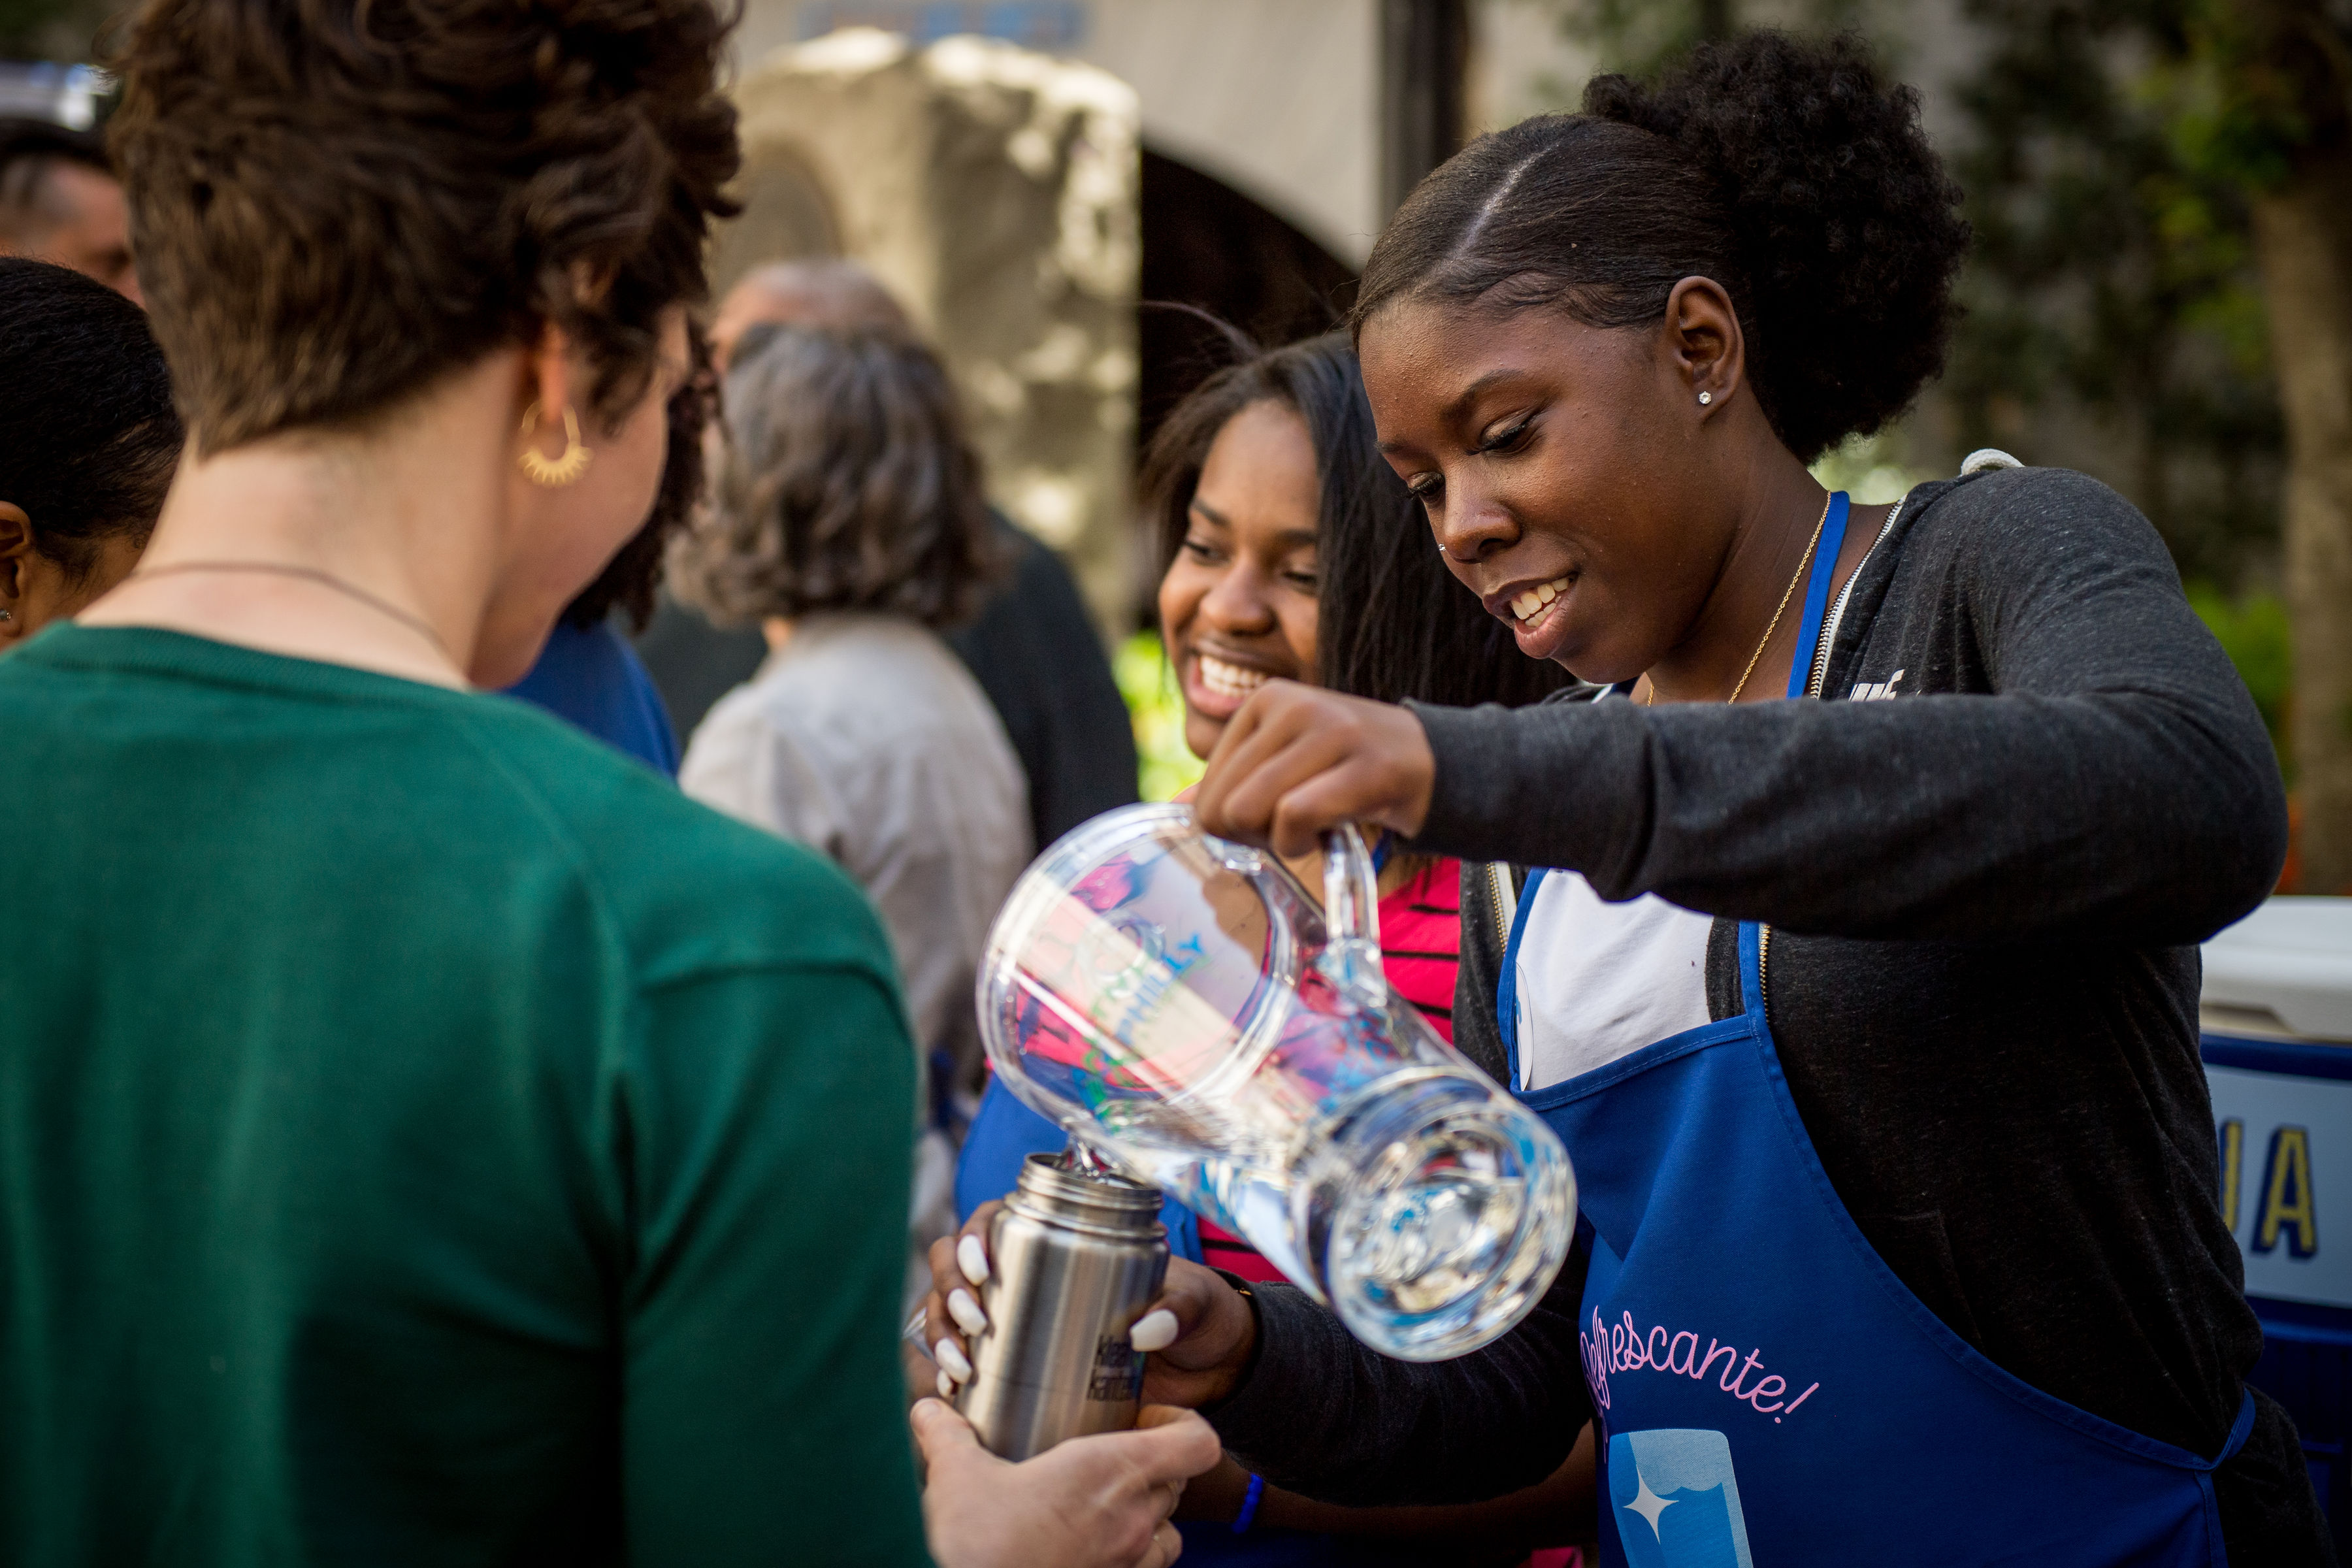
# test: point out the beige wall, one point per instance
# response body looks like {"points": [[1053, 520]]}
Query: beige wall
{"points": [[1278, 99], [994, 190]]}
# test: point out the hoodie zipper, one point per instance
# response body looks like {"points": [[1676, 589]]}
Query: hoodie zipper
{"points": [[1820, 670], [1505, 897]]}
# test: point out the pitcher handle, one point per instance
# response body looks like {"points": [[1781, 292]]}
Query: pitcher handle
{"points": [[1352, 913]]}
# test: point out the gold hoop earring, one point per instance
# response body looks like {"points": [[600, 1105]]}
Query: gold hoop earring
{"points": [[556, 472]]}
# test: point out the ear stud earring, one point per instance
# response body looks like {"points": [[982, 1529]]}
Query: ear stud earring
{"points": [[1705, 398]]}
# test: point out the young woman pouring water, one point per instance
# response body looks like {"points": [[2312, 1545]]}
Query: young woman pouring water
{"points": [[1864, 991]]}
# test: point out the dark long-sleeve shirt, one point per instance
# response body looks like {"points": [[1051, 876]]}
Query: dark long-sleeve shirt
{"points": [[1034, 650], [1986, 881]]}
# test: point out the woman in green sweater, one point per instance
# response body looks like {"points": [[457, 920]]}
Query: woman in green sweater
{"points": [[417, 1124]]}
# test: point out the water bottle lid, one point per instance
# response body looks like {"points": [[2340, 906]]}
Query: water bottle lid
{"points": [[1049, 1191]]}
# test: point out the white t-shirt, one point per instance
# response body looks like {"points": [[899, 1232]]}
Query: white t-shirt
{"points": [[1597, 981]]}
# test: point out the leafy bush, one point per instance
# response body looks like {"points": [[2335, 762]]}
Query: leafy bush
{"points": [[1164, 764]]}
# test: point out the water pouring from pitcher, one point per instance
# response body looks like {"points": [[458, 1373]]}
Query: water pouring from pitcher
{"points": [[1186, 1010]]}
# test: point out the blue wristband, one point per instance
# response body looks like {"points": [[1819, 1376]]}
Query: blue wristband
{"points": [[1242, 1519]]}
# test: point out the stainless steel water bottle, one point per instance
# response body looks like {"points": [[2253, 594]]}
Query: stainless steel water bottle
{"points": [[1075, 1256]]}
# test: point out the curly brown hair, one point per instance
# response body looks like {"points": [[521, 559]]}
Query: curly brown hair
{"points": [[631, 580], [848, 486], [335, 202]]}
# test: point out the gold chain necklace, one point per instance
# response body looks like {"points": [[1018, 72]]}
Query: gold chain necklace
{"points": [[1774, 624], [417, 623]]}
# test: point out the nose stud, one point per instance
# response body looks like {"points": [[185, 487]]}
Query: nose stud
{"points": [[1705, 398]]}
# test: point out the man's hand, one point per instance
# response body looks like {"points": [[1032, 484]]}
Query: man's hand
{"points": [[1200, 1332], [1297, 761], [1089, 1502]]}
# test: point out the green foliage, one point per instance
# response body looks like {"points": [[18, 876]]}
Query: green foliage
{"points": [[2252, 83], [1636, 37], [1871, 469], [2216, 127], [2252, 630], [2113, 281], [51, 29], [1641, 37], [1165, 765], [2113, 317]]}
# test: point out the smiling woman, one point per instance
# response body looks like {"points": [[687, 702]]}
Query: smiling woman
{"points": [[1287, 551], [1291, 553], [1877, 861], [1237, 604], [1808, 308]]}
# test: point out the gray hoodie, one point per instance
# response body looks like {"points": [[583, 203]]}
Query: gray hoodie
{"points": [[2036, 782]]}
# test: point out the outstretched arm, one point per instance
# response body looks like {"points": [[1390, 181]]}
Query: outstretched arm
{"points": [[2113, 781]]}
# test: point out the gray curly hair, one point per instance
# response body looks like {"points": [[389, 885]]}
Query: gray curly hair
{"points": [[849, 485]]}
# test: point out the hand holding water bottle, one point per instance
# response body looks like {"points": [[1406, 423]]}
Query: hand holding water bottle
{"points": [[1091, 1502], [1201, 1331]]}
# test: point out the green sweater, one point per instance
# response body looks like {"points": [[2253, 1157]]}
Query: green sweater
{"points": [[425, 1136]]}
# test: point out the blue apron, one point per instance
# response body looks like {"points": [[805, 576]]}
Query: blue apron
{"points": [[1766, 1390]]}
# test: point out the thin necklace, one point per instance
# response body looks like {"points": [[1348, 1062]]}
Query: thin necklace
{"points": [[1774, 624], [309, 574]]}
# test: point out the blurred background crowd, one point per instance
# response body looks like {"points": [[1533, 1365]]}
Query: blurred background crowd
{"points": [[2160, 281]]}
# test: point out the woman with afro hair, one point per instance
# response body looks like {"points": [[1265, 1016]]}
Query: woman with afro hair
{"points": [[1863, 989]]}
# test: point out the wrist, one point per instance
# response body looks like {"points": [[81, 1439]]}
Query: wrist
{"points": [[1248, 1514], [1421, 776], [1239, 1305]]}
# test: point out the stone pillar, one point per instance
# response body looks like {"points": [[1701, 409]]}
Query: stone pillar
{"points": [[994, 190]]}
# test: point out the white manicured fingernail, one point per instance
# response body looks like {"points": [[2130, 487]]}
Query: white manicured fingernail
{"points": [[1156, 1332], [951, 1359], [947, 1389], [972, 1259], [966, 1311]]}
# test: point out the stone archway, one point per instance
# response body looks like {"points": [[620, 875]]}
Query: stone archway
{"points": [[786, 217], [993, 190], [1210, 247]]}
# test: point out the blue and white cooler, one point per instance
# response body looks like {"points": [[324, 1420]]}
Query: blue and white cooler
{"points": [[2277, 1023]]}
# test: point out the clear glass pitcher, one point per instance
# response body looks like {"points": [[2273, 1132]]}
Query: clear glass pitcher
{"points": [[1181, 1007]]}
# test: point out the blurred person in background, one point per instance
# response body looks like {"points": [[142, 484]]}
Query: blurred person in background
{"points": [[60, 201], [90, 442], [849, 525], [1290, 551], [841, 294], [588, 673], [419, 1120], [1030, 643]]}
